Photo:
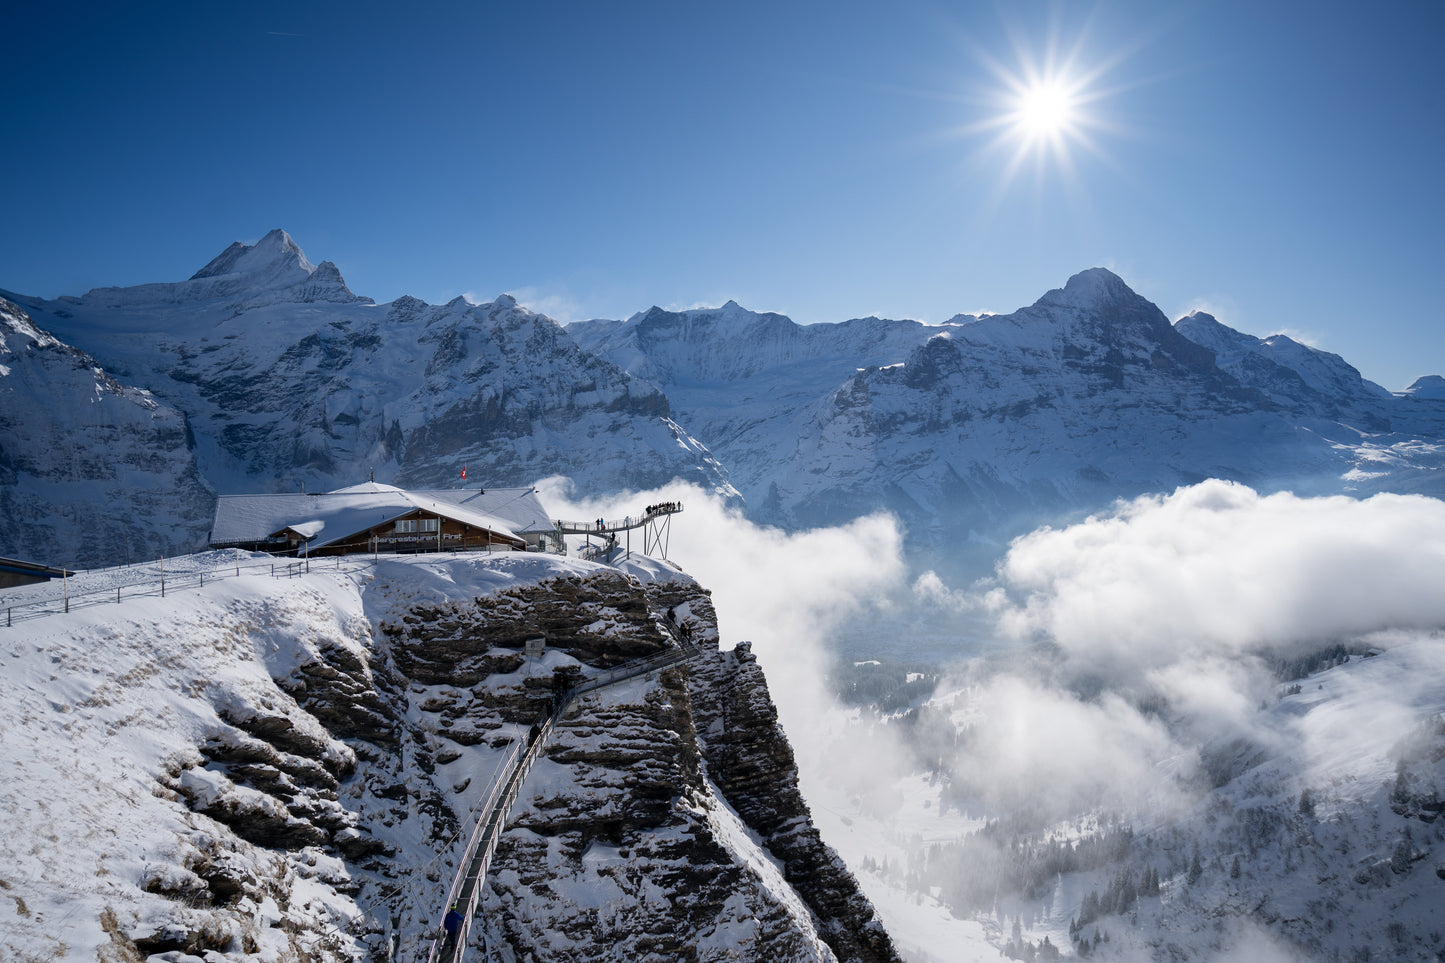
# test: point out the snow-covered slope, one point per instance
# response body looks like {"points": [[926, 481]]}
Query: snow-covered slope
{"points": [[1297, 377], [977, 428], [89, 468], [745, 381], [990, 424], [283, 768], [291, 382], [1319, 838]]}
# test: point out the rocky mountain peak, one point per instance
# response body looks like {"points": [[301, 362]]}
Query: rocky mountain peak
{"points": [[276, 254], [1089, 289], [327, 284], [1430, 386], [13, 319]]}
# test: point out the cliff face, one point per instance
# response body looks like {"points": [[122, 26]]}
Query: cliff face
{"points": [[664, 821], [288, 769], [751, 763], [90, 468]]}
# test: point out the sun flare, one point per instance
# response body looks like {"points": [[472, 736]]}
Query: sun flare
{"points": [[1045, 109]]}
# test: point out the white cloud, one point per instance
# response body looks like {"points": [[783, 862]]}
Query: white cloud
{"points": [[561, 308], [1219, 569], [1176, 603], [785, 592]]}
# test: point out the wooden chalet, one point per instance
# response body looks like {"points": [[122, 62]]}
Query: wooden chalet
{"points": [[15, 572], [372, 517]]}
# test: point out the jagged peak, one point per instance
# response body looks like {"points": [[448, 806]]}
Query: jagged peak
{"points": [[1088, 289], [274, 253], [327, 271], [15, 318], [731, 312], [1204, 328], [1430, 386]]}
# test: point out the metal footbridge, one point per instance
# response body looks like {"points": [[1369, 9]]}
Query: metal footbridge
{"points": [[655, 522], [466, 888]]}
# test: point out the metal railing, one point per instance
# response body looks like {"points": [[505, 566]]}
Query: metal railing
{"points": [[162, 576], [466, 888]]}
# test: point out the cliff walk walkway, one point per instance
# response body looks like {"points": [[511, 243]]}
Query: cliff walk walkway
{"points": [[496, 806], [655, 522]]}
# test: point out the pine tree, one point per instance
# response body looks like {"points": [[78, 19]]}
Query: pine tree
{"points": [[1089, 911], [1234, 868], [1128, 893], [1196, 869]]}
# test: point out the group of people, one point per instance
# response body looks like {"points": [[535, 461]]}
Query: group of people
{"points": [[684, 628], [659, 509]]}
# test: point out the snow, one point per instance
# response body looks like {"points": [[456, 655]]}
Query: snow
{"points": [[1430, 386], [98, 706], [1325, 882], [338, 515], [103, 707]]}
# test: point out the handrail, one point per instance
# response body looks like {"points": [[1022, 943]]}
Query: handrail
{"points": [[472, 871], [602, 526], [151, 578]]}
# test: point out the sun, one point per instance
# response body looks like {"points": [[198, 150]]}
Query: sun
{"points": [[1046, 109], [1044, 114]]}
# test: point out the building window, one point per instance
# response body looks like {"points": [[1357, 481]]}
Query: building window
{"points": [[414, 525]]}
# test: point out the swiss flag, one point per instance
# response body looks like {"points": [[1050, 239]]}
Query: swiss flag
{"points": [[464, 473]]}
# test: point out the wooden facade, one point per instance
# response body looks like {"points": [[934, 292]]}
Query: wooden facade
{"points": [[442, 535]]}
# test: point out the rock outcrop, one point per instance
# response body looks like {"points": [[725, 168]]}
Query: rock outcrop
{"points": [[663, 821]]}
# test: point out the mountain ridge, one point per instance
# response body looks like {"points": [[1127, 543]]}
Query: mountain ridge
{"points": [[982, 425]]}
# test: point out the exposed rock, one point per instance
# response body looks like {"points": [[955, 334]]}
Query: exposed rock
{"points": [[749, 758], [662, 822]]}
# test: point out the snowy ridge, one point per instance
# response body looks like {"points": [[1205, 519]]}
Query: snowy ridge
{"points": [[291, 383], [269, 767], [89, 467], [993, 424], [983, 426]]}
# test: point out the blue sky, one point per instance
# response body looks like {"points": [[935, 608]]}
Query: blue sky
{"points": [[1276, 163]]}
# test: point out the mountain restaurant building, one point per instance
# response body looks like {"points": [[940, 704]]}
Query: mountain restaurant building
{"points": [[372, 517], [14, 571]]}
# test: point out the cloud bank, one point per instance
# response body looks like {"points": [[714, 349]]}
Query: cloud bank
{"points": [[785, 592], [1159, 627]]}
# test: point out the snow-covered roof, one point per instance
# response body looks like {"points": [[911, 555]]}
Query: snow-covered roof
{"points": [[518, 507], [328, 517]]}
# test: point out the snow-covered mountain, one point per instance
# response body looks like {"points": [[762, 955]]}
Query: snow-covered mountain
{"points": [[990, 424], [288, 769], [289, 381], [972, 431], [89, 467]]}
